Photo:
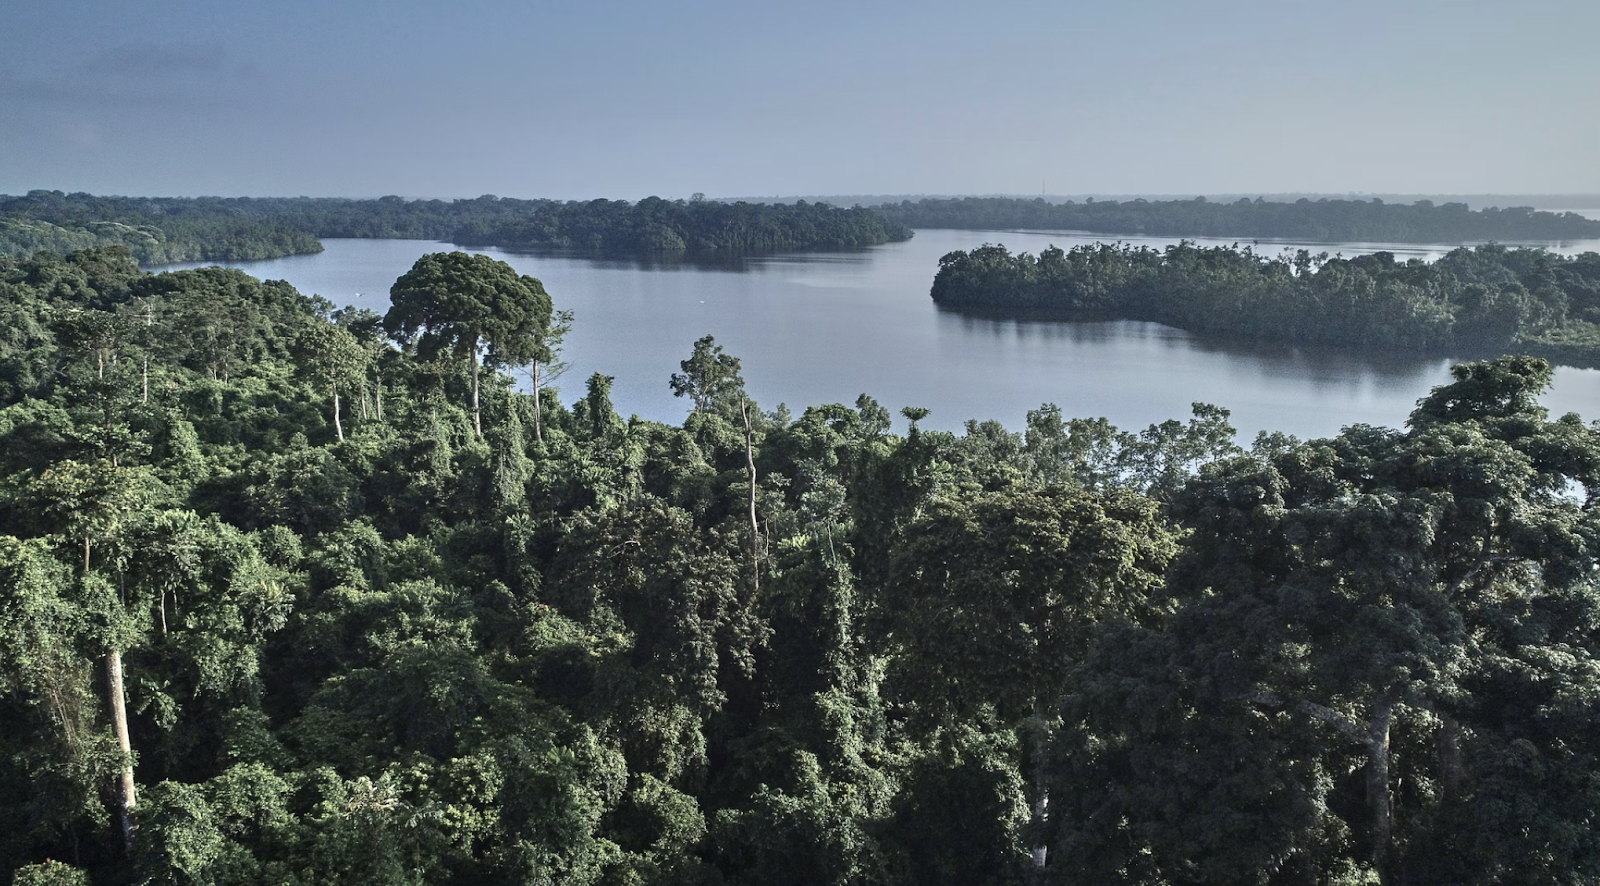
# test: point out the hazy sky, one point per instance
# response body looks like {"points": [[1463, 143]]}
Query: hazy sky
{"points": [[625, 98]]}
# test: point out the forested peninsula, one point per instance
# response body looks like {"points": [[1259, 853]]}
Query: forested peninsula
{"points": [[297, 595], [1318, 221], [1486, 300], [163, 230]]}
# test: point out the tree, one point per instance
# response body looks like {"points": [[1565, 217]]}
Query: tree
{"points": [[995, 600], [334, 360], [98, 503], [710, 378], [1366, 584], [469, 305], [545, 358]]}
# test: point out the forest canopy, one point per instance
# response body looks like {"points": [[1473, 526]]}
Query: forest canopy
{"points": [[1321, 220], [172, 229], [1476, 301], [284, 600]]}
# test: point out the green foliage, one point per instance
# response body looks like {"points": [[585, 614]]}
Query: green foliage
{"points": [[1487, 300], [1321, 220], [164, 230], [425, 656], [50, 873], [710, 379]]}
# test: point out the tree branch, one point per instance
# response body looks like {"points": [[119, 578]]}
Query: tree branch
{"points": [[1320, 712]]}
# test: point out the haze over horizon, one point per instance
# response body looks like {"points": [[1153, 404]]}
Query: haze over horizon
{"points": [[625, 99]]}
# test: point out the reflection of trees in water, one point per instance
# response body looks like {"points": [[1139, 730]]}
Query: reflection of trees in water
{"points": [[737, 263], [1321, 366]]}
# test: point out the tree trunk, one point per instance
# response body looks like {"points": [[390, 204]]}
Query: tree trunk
{"points": [[755, 528], [377, 396], [538, 431], [1041, 790], [477, 421], [338, 426], [1378, 794], [119, 723], [149, 319]]}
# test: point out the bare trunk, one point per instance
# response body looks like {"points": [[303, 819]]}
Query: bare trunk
{"points": [[119, 723], [149, 319], [338, 426], [1041, 790], [538, 430], [377, 397], [477, 420], [755, 528], [1378, 794]]}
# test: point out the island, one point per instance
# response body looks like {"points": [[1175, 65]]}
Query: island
{"points": [[165, 230], [1481, 301]]}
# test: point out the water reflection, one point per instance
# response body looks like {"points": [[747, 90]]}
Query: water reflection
{"points": [[732, 263]]}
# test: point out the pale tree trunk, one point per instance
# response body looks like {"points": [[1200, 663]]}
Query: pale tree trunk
{"points": [[477, 421], [538, 431], [119, 723], [377, 396], [1378, 793], [1374, 737], [755, 528], [149, 319], [338, 426], [1041, 790]]}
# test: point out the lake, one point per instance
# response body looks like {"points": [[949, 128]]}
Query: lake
{"points": [[815, 328]]}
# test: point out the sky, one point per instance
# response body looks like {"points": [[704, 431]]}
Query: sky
{"points": [[629, 98]]}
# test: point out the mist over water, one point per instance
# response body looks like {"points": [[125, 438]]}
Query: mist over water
{"points": [[815, 328]]}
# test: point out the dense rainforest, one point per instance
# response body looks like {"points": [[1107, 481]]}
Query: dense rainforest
{"points": [[298, 595], [156, 231], [1318, 221], [1483, 300], [170, 229]]}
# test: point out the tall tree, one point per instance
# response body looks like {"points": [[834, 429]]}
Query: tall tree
{"points": [[996, 598], [545, 364], [710, 379], [335, 361], [1359, 583], [469, 305], [97, 504]]}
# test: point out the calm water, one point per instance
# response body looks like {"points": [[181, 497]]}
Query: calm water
{"points": [[816, 328]]}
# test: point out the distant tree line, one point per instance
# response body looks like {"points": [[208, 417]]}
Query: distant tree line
{"points": [[169, 229], [1318, 221], [300, 596], [1483, 300], [156, 231]]}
